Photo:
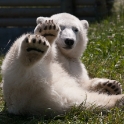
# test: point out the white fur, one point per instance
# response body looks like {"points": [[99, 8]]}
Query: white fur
{"points": [[70, 58], [33, 85]]}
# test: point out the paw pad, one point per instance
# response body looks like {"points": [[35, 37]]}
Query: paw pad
{"points": [[113, 87], [35, 43], [34, 40]]}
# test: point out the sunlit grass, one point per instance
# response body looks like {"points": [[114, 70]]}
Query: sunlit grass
{"points": [[106, 49]]}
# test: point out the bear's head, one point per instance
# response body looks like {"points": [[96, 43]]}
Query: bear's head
{"points": [[72, 39]]}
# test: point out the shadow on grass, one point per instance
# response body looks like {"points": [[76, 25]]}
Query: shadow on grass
{"points": [[7, 118]]}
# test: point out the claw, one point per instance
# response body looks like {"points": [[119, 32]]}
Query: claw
{"points": [[34, 40], [44, 43], [45, 28], [40, 30], [104, 84], [54, 27], [26, 40], [39, 41], [109, 84], [28, 36]]}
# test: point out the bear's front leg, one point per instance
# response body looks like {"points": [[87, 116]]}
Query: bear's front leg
{"points": [[33, 48]]}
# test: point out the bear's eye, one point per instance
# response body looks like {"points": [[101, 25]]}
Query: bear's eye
{"points": [[62, 27], [75, 29]]}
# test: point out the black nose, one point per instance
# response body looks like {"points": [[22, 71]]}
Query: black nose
{"points": [[69, 42]]}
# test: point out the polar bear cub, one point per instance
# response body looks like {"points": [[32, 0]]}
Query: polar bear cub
{"points": [[34, 83], [71, 43]]}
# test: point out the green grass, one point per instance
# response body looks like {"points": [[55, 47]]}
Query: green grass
{"points": [[104, 57], [106, 49]]}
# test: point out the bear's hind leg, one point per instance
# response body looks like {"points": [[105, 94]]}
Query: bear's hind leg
{"points": [[107, 86]]}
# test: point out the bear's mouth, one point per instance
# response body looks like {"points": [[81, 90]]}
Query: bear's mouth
{"points": [[68, 47], [45, 35], [34, 49]]}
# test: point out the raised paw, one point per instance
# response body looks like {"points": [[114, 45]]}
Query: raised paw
{"points": [[110, 87], [48, 29], [33, 48]]}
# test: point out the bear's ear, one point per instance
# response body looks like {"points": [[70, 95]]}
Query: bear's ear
{"points": [[41, 19], [85, 24]]}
